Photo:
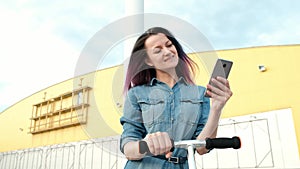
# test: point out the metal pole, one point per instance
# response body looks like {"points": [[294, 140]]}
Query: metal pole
{"points": [[135, 25], [191, 157]]}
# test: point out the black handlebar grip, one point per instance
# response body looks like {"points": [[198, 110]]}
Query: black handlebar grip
{"points": [[143, 147], [233, 142]]}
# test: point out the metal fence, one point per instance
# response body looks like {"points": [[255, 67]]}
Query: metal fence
{"points": [[261, 148], [89, 154], [256, 151]]}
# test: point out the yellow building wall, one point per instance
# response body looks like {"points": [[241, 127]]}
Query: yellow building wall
{"points": [[254, 92], [15, 121]]}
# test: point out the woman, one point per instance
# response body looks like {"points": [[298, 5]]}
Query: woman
{"points": [[162, 102]]}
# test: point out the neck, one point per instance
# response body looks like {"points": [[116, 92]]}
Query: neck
{"points": [[170, 78]]}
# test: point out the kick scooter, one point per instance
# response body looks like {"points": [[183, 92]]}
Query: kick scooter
{"points": [[190, 145]]}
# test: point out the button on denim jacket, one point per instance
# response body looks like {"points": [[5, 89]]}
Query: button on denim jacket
{"points": [[181, 111]]}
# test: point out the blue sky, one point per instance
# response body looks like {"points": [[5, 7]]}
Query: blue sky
{"points": [[40, 41]]}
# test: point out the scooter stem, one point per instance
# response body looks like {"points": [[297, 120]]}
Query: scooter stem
{"points": [[191, 157]]}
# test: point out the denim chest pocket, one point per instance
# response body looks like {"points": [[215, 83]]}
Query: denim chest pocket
{"points": [[190, 110], [152, 111]]}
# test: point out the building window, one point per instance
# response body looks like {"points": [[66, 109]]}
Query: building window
{"points": [[79, 98], [66, 110]]}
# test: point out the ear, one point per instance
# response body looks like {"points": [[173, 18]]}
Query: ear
{"points": [[148, 62]]}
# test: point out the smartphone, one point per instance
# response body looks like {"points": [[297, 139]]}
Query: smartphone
{"points": [[222, 68]]}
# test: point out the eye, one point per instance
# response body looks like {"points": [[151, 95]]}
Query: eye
{"points": [[156, 50], [169, 45]]}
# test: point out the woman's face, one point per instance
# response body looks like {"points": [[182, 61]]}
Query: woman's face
{"points": [[162, 54]]}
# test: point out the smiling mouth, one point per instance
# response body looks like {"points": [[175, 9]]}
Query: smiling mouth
{"points": [[169, 58]]}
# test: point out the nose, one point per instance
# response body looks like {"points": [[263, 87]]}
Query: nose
{"points": [[167, 52]]}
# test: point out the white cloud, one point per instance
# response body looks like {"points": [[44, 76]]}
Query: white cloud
{"points": [[31, 59], [40, 43], [42, 40], [284, 31]]}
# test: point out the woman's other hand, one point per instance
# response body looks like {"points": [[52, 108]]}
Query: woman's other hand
{"points": [[159, 143], [219, 92]]}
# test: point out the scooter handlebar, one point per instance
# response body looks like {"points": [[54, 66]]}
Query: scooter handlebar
{"points": [[209, 143]]}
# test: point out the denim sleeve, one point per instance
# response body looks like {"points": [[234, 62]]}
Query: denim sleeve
{"points": [[204, 116], [132, 121]]}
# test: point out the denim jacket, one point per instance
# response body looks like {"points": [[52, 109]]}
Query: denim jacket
{"points": [[181, 111]]}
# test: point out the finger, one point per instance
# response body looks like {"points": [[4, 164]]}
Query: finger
{"points": [[226, 85], [150, 144], [219, 84], [156, 146], [169, 154], [169, 146], [161, 141], [217, 94], [208, 92], [223, 80], [221, 89], [168, 142], [215, 90]]}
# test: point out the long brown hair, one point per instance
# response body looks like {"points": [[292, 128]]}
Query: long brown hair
{"points": [[139, 73]]}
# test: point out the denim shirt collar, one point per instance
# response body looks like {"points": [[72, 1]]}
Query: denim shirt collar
{"points": [[155, 80]]}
